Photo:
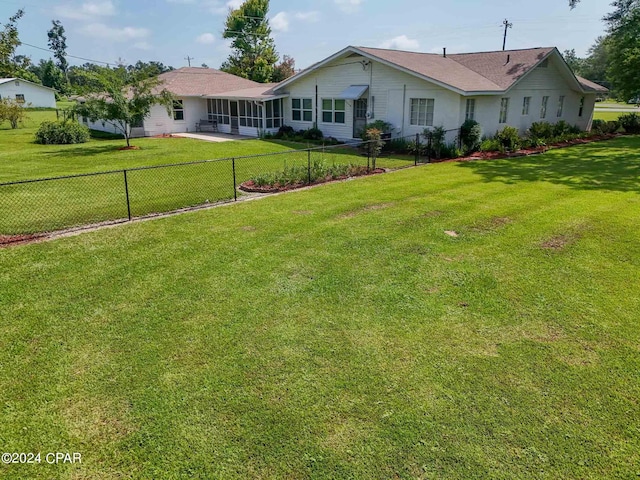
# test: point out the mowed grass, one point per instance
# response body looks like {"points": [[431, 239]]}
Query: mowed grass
{"points": [[607, 116], [338, 332], [44, 206]]}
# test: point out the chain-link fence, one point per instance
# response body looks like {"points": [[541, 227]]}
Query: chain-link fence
{"points": [[50, 204]]}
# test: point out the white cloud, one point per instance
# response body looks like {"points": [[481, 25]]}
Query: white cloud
{"points": [[401, 42], [86, 11], [280, 22], [234, 3], [312, 16], [348, 6], [142, 45], [115, 34], [206, 38]]}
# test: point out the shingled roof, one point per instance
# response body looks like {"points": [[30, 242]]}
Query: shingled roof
{"points": [[488, 72], [198, 82]]}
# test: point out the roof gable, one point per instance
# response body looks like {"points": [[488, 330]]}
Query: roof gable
{"points": [[464, 73]]}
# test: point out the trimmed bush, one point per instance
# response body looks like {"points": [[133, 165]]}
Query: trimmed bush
{"points": [[470, 136], [285, 131], [540, 131], [313, 133], [630, 122], [61, 133], [509, 138], [491, 145]]}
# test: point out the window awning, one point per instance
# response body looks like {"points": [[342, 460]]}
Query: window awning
{"points": [[353, 92]]}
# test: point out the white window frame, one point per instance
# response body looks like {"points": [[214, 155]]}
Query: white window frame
{"points": [[179, 110], [249, 114], [543, 106], [302, 109], [421, 111], [470, 111], [504, 110], [20, 98], [560, 106], [334, 111], [274, 115], [526, 104]]}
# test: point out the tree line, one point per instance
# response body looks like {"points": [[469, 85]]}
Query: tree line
{"points": [[254, 55]]}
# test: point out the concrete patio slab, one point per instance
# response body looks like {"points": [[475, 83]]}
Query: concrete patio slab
{"points": [[212, 137]]}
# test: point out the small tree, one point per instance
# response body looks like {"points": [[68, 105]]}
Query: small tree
{"points": [[374, 144], [12, 112], [122, 99]]}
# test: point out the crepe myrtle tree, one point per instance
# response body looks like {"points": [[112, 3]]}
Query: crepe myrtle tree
{"points": [[122, 98]]}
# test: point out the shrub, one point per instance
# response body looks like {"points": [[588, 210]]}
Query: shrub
{"points": [[374, 144], [314, 133], [562, 128], [61, 133], [630, 122], [612, 126], [299, 174], [450, 150], [436, 139], [509, 138], [598, 126], [12, 111], [491, 145], [540, 131], [470, 136], [398, 145], [285, 131]]}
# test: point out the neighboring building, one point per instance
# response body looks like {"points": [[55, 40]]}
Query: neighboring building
{"points": [[27, 93], [357, 85]]}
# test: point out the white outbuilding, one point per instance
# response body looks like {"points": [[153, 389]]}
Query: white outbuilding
{"points": [[27, 93]]}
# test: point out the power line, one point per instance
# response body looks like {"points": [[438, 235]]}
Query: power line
{"points": [[188, 59], [71, 56]]}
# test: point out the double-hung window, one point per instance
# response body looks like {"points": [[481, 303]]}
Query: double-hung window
{"points": [[470, 113], [543, 107], [581, 107], [333, 110], [504, 109], [526, 103], [178, 110], [301, 109], [422, 112], [19, 98], [560, 106]]}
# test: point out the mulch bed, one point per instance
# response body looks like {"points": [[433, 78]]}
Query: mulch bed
{"points": [[250, 186], [526, 151], [6, 240]]}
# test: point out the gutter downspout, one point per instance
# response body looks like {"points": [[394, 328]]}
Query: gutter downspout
{"points": [[404, 101]]}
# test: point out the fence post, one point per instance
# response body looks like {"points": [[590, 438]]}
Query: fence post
{"points": [[368, 159], [126, 190], [308, 166], [417, 148], [429, 145], [235, 188]]}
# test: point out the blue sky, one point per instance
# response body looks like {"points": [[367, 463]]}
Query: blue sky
{"points": [[309, 30]]}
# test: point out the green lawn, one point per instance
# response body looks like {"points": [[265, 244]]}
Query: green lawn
{"points": [[36, 207], [338, 332], [608, 116]]}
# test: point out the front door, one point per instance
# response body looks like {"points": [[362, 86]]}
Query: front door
{"points": [[234, 117], [359, 116]]}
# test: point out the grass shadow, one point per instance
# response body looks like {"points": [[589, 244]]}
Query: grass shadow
{"points": [[612, 165], [83, 151]]}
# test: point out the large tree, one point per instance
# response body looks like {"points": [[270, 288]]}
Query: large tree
{"points": [[12, 65], [58, 45], [254, 53], [624, 48], [121, 98], [285, 69]]}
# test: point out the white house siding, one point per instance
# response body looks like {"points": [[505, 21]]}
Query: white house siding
{"points": [[35, 95], [551, 81], [388, 87], [159, 123]]}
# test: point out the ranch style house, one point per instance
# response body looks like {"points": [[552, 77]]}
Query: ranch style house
{"points": [[411, 91]]}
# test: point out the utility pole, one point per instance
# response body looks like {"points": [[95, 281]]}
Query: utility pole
{"points": [[188, 59], [506, 25]]}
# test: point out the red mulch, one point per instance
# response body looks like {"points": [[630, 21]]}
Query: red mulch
{"points": [[250, 186], [526, 151], [6, 240]]}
